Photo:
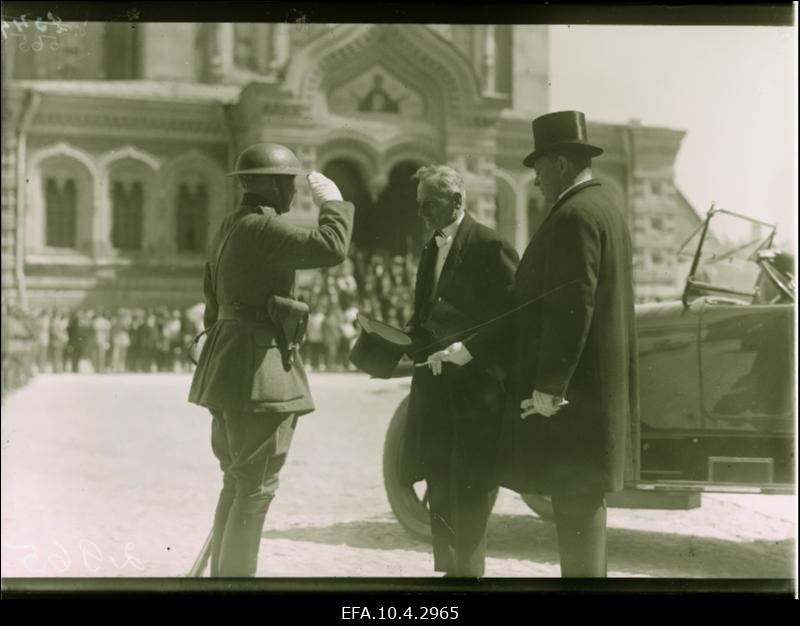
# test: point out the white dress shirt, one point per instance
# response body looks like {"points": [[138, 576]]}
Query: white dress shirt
{"points": [[444, 245]]}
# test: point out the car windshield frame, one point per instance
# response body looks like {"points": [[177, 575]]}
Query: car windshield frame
{"points": [[703, 279]]}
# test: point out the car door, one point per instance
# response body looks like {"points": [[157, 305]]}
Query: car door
{"points": [[746, 381]]}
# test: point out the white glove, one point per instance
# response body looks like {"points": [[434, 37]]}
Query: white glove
{"points": [[323, 189], [454, 353], [542, 403]]}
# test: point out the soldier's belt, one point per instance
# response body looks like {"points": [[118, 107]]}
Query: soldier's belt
{"points": [[243, 313], [289, 318]]}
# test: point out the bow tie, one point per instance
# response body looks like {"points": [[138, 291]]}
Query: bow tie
{"points": [[442, 239]]}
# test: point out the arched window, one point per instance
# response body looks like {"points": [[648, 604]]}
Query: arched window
{"points": [[131, 187], [195, 202], [60, 212], [127, 200], [192, 217]]}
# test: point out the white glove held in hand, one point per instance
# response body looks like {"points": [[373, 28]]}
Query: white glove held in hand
{"points": [[323, 189]]}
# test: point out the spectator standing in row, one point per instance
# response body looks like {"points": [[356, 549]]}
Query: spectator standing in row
{"points": [[314, 338], [332, 334], [59, 340], [120, 341], [171, 334], [101, 341]]}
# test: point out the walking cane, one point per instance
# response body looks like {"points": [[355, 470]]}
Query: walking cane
{"points": [[202, 559]]}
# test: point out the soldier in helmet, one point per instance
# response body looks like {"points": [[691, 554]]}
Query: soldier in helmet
{"points": [[249, 374]]}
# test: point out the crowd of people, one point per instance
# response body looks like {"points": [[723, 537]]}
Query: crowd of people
{"points": [[100, 340], [156, 340], [378, 285]]}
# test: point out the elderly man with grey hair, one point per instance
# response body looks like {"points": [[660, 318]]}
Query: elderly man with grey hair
{"points": [[464, 279]]}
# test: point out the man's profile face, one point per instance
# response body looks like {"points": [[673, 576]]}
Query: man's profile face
{"points": [[435, 208], [548, 177]]}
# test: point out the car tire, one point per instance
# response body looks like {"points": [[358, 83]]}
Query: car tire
{"points": [[407, 506], [407, 501]]}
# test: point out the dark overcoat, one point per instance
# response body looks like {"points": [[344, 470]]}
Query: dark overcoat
{"points": [[240, 367], [574, 337], [476, 281]]}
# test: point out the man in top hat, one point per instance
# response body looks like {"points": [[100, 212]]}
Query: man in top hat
{"points": [[573, 430], [248, 374], [464, 278]]}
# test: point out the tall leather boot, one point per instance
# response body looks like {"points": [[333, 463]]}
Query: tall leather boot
{"points": [[238, 555], [224, 503]]}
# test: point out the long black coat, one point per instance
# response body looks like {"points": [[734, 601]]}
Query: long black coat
{"points": [[240, 367], [476, 280], [576, 340]]}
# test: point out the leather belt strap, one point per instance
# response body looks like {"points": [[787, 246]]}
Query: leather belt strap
{"points": [[243, 313]]}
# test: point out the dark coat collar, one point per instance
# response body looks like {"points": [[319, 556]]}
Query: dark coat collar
{"points": [[460, 240], [256, 203], [589, 183], [428, 260]]}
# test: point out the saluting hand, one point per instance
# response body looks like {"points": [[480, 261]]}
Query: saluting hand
{"points": [[456, 353], [542, 403], [323, 189]]}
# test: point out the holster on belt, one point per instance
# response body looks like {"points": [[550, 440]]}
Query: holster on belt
{"points": [[290, 318]]}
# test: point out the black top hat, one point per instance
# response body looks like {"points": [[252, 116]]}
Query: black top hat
{"points": [[563, 129], [379, 347]]}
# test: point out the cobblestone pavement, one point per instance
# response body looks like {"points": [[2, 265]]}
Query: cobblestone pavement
{"points": [[113, 476]]}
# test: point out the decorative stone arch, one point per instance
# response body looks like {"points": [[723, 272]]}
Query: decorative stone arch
{"points": [[185, 166], [410, 148], [128, 152], [67, 159], [350, 146], [412, 51]]}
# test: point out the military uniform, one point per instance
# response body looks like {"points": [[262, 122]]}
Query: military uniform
{"points": [[243, 377]]}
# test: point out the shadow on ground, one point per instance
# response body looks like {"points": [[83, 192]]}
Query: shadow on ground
{"points": [[632, 552]]}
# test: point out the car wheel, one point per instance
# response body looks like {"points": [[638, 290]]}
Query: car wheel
{"points": [[408, 502], [541, 505]]}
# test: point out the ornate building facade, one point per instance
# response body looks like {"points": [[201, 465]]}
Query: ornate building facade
{"points": [[121, 135]]}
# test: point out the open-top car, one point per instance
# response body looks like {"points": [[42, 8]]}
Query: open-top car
{"points": [[716, 380]]}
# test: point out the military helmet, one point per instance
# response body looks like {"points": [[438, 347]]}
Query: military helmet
{"points": [[268, 158]]}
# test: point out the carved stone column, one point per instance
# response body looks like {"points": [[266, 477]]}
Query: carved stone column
{"points": [[489, 61], [101, 217], [221, 45], [376, 186], [281, 44], [12, 108]]}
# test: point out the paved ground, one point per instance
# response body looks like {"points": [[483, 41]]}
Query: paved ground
{"points": [[113, 476]]}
